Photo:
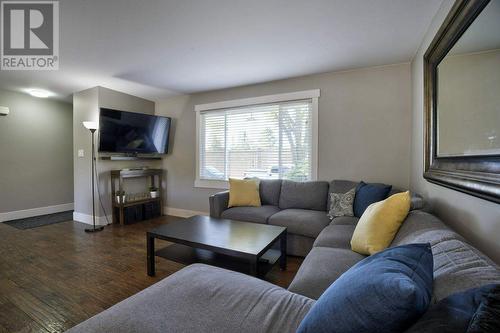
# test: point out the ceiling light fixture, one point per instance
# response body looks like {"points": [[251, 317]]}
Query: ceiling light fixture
{"points": [[39, 93]]}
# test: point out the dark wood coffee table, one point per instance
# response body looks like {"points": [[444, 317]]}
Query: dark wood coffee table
{"points": [[240, 246]]}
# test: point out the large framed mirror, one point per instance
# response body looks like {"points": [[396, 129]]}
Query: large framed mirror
{"points": [[462, 100]]}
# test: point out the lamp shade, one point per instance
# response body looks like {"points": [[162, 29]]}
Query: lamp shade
{"points": [[90, 125]]}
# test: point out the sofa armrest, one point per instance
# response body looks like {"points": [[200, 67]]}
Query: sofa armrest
{"points": [[218, 203]]}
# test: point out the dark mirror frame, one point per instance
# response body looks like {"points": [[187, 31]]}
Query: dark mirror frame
{"points": [[475, 175]]}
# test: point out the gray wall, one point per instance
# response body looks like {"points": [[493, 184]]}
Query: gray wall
{"points": [[364, 126], [476, 219], [86, 107], [35, 153]]}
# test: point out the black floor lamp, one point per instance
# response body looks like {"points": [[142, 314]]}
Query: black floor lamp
{"points": [[92, 127]]}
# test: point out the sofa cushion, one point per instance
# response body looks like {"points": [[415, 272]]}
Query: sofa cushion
{"points": [[366, 194], [321, 267], [341, 204], [251, 214], [244, 192], [301, 221], [420, 227], [454, 313], [386, 292], [269, 191], [486, 318], [304, 195], [345, 220], [380, 223], [201, 298], [458, 266], [337, 236], [340, 186]]}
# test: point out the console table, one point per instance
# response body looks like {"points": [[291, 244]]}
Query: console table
{"points": [[118, 177]]}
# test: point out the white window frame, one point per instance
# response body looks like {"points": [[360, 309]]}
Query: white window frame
{"points": [[313, 95]]}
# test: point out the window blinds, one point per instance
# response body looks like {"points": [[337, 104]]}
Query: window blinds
{"points": [[269, 141]]}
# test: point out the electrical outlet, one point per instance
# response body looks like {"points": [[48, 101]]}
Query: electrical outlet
{"points": [[81, 153]]}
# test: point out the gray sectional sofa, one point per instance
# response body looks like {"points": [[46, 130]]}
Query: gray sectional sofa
{"points": [[201, 298], [300, 206]]}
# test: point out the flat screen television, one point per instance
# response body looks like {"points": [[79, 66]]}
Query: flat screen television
{"points": [[133, 133]]}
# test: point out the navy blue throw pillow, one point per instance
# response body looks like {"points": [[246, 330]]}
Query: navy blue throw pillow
{"points": [[386, 292], [474, 310], [487, 317], [366, 194]]}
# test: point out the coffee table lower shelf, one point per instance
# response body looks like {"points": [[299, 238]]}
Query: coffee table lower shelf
{"points": [[188, 255]]}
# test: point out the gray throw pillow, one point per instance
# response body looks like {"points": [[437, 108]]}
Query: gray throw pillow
{"points": [[341, 204]]}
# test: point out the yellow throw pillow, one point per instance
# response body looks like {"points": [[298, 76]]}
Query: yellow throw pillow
{"points": [[379, 224], [243, 192]]}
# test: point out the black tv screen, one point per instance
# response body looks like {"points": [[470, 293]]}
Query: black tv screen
{"points": [[133, 133]]}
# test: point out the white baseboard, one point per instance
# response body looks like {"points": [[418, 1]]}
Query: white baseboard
{"points": [[181, 212], [85, 218], [22, 214]]}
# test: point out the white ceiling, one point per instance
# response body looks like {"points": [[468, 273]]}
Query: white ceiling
{"points": [[155, 48]]}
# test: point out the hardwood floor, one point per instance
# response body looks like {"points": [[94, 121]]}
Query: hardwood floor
{"points": [[56, 276]]}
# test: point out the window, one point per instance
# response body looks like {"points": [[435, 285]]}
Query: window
{"points": [[270, 140]]}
